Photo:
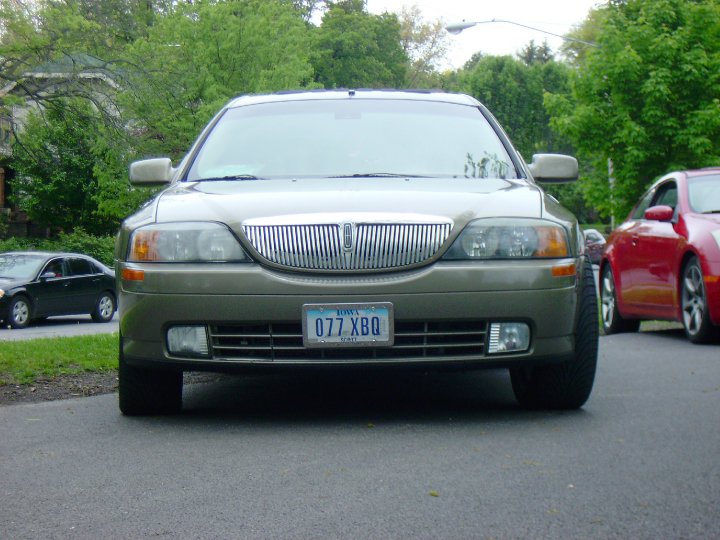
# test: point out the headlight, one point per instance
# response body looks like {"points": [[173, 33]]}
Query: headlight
{"points": [[508, 238], [2, 293], [185, 242]]}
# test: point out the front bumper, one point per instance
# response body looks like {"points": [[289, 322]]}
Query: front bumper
{"points": [[253, 314]]}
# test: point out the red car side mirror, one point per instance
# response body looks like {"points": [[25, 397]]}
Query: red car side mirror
{"points": [[660, 213]]}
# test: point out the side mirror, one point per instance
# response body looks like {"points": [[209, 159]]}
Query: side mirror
{"points": [[151, 172], [553, 168], [48, 275], [660, 213]]}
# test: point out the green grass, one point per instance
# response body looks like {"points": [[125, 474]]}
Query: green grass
{"points": [[23, 362]]}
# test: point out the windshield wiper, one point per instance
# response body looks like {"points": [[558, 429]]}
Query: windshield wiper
{"points": [[229, 177], [378, 175], [711, 212]]}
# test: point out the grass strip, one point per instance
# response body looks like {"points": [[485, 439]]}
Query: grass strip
{"points": [[23, 362]]}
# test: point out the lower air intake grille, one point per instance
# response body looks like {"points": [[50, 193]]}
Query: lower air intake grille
{"points": [[277, 342]]}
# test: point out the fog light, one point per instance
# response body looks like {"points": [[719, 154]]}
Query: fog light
{"points": [[509, 337], [188, 341]]}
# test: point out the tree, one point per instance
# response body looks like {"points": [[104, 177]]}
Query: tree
{"points": [[55, 161], [514, 91], [536, 54], [425, 44], [176, 85], [646, 97], [354, 49]]}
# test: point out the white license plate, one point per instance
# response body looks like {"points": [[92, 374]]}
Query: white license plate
{"points": [[348, 325]]}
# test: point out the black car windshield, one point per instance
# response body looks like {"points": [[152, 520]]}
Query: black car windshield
{"points": [[20, 266], [352, 138], [704, 193]]}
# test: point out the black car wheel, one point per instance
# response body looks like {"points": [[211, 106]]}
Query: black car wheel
{"points": [[695, 316], [146, 391], [612, 321], [19, 312], [104, 308], [565, 385]]}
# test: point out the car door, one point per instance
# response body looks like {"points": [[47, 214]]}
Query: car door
{"points": [[655, 249], [50, 291], [84, 284]]}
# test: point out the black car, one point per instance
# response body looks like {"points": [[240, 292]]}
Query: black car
{"points": [[35, 285]]}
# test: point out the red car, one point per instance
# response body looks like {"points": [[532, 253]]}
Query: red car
{"points": [[663, 262]]}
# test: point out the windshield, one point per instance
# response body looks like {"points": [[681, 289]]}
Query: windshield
{"points": [[362, 137], [704, 194], [20, 266]]}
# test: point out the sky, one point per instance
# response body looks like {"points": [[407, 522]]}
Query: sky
{"points": [[554, 16]]}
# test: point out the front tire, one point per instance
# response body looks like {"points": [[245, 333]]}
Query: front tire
{"points": [[565, 385], [104, 308], [695, 317], [19, 312], [612, 321], [146, 391]]}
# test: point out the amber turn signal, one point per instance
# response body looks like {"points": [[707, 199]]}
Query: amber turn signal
{"points": [[131, 274]]}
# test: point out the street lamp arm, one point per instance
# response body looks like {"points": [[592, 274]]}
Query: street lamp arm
{"points": [[456, 28]]}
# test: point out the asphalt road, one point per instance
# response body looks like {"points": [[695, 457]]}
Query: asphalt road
{"points": [[72, 325], [392, 456]]}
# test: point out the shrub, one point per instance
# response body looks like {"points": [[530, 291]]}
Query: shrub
{"points": [[78, 241]]}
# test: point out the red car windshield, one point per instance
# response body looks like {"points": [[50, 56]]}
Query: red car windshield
{"points": [[704, 194]]}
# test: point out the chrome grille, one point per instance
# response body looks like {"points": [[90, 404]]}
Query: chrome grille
{"points": [[414, 340], [373, 246]]}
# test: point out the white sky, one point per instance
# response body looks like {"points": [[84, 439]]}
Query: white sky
{"points": [[555, 16]]}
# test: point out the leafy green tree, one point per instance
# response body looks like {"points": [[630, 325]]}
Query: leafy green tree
{"points": [[514, 92], [200, 54], [355, 49], [533, 54], [425, 44], [53, 160], [647, 97]]}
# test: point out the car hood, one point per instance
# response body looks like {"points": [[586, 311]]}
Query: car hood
{"points": [[9, 283], [460, 200]]}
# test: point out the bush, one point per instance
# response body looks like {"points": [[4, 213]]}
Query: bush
{"points": [[99, 247]]}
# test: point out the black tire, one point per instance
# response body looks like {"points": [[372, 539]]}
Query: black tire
{"points": [[104, 308], [19, 312], [693, 297], [147, 391], [612, 321], [565, 385]]}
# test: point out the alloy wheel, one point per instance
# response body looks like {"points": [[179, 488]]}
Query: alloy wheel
{"points": [[20, 313], [607, 297], [693, 299]]}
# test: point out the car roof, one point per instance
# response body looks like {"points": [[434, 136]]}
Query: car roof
{"points": [[318, 95], [46, 254], [703, 172]]}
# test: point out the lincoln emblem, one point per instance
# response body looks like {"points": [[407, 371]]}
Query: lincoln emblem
{"points": [[347, 236]]}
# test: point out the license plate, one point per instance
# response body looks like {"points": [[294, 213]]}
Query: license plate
{"points": [[348, 325]]}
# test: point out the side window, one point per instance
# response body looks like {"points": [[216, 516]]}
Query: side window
{"points": [[56, 267], [667, 195], [80, 267], [644, 204]]}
